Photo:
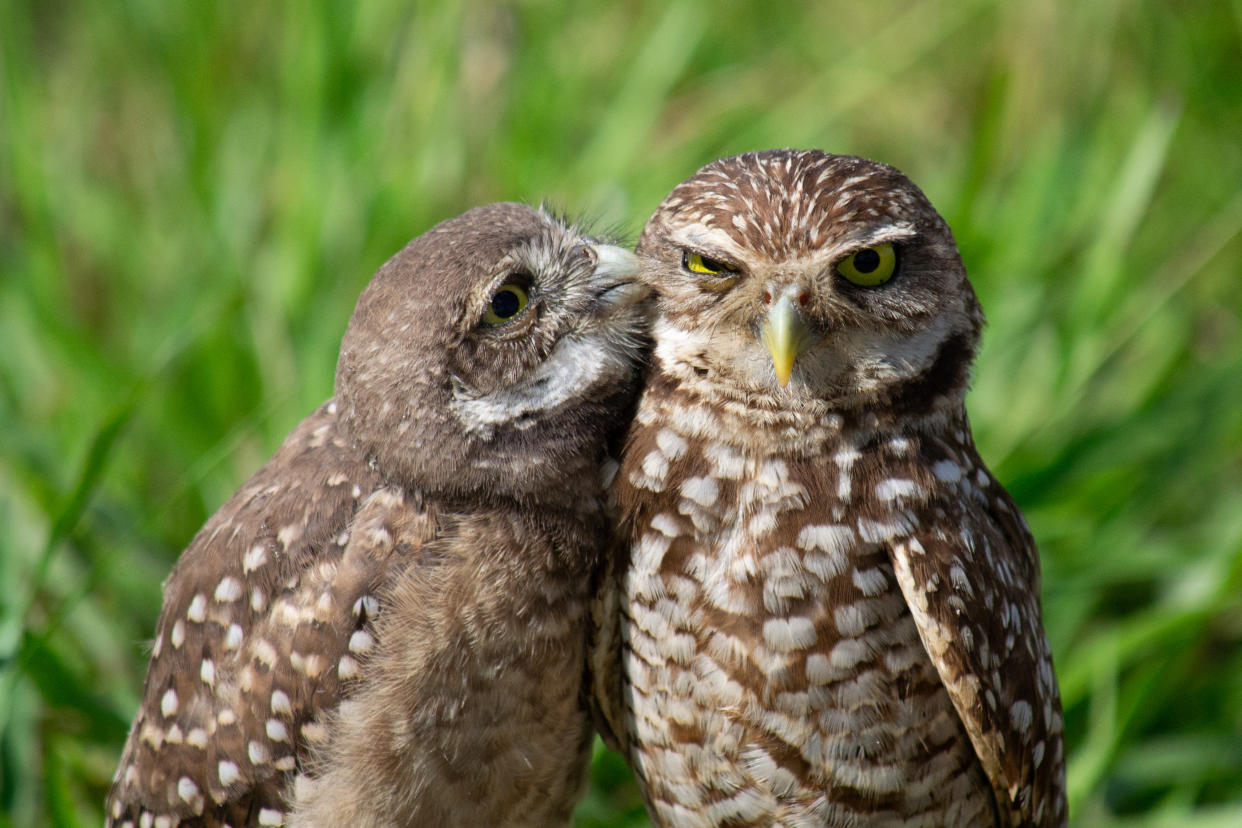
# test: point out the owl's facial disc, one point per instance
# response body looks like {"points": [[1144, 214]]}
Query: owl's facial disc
{"points": [[493, 354], [786, 331], [592, 348]]}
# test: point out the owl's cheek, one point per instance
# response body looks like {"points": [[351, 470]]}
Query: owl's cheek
{"points": [[883, 363]]}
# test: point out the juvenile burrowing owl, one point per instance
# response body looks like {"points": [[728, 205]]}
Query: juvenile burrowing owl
{"points": [[827, 609], [385, 625]]}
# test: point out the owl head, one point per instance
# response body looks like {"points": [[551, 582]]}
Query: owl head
{"points": [[491, 356], [799, 277]]}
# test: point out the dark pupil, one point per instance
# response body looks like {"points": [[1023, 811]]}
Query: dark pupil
{"points": [[866, 261], [506, 303]]}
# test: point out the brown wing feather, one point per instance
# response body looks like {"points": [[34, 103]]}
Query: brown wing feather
{"points": [[257, 617], [970, 574], [604, 650]]}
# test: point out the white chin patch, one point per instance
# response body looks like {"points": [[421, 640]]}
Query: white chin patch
{"points": [[574, 366]]}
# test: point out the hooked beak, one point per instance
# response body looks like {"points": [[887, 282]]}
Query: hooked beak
{"points": [[616, 272], [786, 335]]}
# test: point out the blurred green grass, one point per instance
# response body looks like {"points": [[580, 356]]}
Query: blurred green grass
{"points": [[192, 195]]}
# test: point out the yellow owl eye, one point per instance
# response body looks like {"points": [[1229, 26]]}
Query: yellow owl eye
{"points": [[507, 302], [695, 263], [871, 266]]}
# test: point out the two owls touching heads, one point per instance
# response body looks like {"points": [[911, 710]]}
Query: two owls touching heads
{"points": [[795, 597]]}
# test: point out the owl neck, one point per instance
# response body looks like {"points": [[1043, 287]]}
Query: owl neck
{"points": [[722, 387], [764, 424]]}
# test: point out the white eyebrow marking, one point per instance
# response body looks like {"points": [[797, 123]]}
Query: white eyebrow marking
{"points": [[700, 235]]}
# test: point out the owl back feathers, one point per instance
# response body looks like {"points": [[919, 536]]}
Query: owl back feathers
{"points": [[254, 640]]}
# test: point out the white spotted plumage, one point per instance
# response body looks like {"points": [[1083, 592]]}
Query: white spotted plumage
{"points": [[383, 625], [825, 610]]}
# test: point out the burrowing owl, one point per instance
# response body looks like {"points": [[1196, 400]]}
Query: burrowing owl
{"points": [[827, 609], [385, 625]]}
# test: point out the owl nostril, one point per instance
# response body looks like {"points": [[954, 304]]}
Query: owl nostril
{"points": [[767, 297], [803, 298]]}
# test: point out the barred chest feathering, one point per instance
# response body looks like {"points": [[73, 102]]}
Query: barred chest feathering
{"points": [[775, 671]]}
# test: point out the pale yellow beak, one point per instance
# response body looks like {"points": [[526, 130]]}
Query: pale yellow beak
{"points": [[786, 335]]}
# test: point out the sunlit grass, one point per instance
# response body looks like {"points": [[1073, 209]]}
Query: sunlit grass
{"points": [[193, 194]]}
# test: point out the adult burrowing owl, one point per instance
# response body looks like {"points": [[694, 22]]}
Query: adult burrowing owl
{"points": [[385, 625], [827, 612]]}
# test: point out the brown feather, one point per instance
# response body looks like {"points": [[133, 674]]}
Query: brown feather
{"points": [[385, 624], [796, 630]]}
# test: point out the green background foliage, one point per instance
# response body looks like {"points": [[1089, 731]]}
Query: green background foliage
{"points": [[193, 194]]}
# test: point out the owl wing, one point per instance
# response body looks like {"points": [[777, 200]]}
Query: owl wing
{"points": [[969, 572], [263, 618], [604, 647]]}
